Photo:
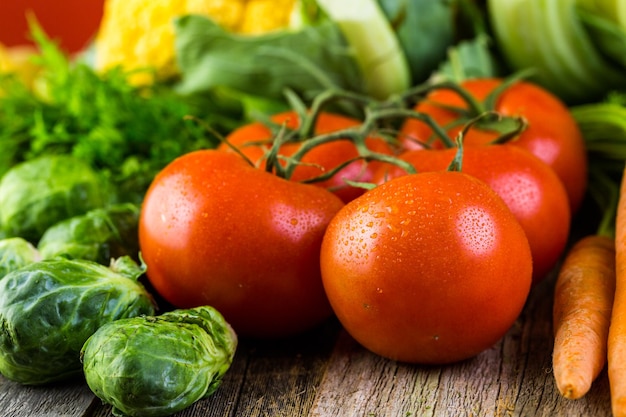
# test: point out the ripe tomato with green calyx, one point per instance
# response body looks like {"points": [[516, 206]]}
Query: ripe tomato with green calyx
{"points": [[528, 186], [552, 133], [427, 268], [254, 140], [216, 231]]}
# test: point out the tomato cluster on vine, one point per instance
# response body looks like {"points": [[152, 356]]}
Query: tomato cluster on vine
{"points": [[422, 225]]}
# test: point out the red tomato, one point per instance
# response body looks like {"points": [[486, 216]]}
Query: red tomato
{"points": [[552, 133], [215, 231], [249, 140], [528, 186], [427, 268], [71, 22]]}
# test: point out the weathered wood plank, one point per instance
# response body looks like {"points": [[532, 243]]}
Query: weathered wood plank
{"points": [[281, 376], [68, 399], [513, 378]]}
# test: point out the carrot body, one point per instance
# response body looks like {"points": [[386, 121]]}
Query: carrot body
{"points": [[617, 331], [583, 299]]}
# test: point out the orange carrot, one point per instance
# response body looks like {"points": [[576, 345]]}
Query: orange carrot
{"points": [[617, 331], [583, 300]]}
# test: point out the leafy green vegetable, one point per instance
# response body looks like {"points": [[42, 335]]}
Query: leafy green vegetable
{"points": [[550, 37], [49, 308], [126, 133], [613, 10], [156, 366], [374, 47], [473, 54], [98, 235], [15, 253], [14, 118], [603, 126], [609, 37], [472, 58], [308, 60], [43, 191], [425, 30]]}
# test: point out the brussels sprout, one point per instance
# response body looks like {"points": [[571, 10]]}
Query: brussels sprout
{"points": [[16, 252], [157, 366], [41, 192], [98, 235], [49, 308]]}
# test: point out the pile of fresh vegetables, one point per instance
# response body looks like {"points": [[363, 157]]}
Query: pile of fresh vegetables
{"points": [[414, 169]]}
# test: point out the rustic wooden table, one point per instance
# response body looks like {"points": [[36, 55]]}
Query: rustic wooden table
{"points": [[326, 373]]}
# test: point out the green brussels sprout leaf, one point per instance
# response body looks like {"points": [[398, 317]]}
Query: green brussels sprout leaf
{"points": [[15, 253], [43, 191], [124, 361], [127, 267], [98, 235], [49, 308]]}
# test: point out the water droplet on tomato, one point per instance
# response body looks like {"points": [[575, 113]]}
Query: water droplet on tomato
{"points": [[392, 209], [477, 230]]}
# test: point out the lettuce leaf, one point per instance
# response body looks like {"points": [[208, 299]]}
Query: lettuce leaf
{"points": [[308, 60]]}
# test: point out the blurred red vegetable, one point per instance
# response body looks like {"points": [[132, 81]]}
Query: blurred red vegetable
{"points": [[70, 22]]}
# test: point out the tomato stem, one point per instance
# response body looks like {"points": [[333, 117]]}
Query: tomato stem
{"points": [[219, 137], [457, 162], [419, 92], [505, 137], [377, 115], [273, 155], [492, 98]]}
